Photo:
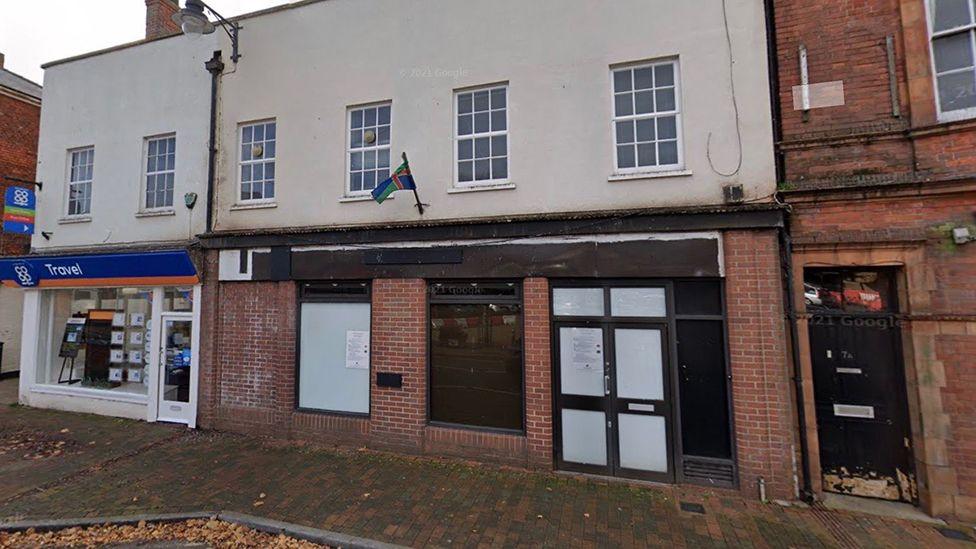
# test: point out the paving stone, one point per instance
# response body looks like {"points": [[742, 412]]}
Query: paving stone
{"points": [[397, 499]]}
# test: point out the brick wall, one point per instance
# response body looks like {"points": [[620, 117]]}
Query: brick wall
{"points": [[248, 374], [863, 140], [19, 125], [538, 371], [762, 393], [399, 339], [159, 18]]}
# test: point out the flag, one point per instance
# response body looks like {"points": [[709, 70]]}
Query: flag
{"points": [[400, 180]]}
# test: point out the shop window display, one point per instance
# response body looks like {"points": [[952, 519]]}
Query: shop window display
{"points": [[99, 339]]}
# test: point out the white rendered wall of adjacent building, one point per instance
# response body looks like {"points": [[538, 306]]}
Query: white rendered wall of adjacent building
{"points": [[113, 101], [304, 66]]}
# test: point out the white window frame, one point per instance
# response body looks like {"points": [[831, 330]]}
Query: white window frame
{"points": [[507, 132], [677, 113], [90, 182], [348, 192], [959, 114], [143, 199], [241, 163]]}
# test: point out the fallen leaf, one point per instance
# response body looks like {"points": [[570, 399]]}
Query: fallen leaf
{"points": [[258, 503], [65, 430], [262, 495]]}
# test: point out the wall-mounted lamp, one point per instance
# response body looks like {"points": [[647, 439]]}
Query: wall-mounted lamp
{"points": [[193, 20], [46, 235]]}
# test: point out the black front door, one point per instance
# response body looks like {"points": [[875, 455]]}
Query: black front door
{"points": [[859, 384], [613, 382]]}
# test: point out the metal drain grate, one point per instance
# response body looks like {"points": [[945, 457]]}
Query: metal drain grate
{"points": [[954, 534]]}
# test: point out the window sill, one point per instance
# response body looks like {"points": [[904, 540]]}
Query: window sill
{"points": [[648, 175], [363, 198], [480, 188], [155, 213], [74, 219], [99, 394], [476, 429], [253, 206]]}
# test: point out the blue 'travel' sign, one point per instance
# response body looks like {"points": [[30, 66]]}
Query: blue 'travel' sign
{"points": [[135, 269], [19, 207]]}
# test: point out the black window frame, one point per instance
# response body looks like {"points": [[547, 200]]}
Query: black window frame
{"points": [[305, 297], [433, 299]]}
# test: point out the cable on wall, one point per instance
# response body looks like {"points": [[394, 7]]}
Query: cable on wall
{"points": [[735, 103]]}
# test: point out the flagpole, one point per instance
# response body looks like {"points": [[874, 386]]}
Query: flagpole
{"points": [[420, 206]]}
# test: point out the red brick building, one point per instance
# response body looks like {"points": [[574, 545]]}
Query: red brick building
{"points": [[877, 150], [743, 422], [20, 116]]}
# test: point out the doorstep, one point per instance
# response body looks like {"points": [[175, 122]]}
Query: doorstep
{"points": [[882, 508]]}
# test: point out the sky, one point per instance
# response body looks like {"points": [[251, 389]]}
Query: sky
{"points": [[33, 32]]}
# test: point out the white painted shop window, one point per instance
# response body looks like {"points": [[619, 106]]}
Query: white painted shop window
{"points": [[334, 354], [160, 173], [481, 136], [952, 24], [647, 118], [257, 165], [81, 166], [368, 148]]}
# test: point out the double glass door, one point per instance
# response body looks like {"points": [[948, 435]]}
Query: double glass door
{"points": [[614, 397]]}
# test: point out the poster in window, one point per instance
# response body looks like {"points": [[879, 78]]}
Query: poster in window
{"points": [[117, 356], [118, 338], [73, 336], [118, 320], [135, 338], [137, 320], [357, 349], [588, 350], [115, 374], [135, 357], [134, 375]]}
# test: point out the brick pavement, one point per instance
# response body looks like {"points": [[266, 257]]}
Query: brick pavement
{"points": [[136, 467]]}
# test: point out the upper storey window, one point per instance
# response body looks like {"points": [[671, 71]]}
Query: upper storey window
{"points": [[160, 171], [646, 117], [81, 168], [481, 140], [258, 143], [368, 155], [953, 24]]}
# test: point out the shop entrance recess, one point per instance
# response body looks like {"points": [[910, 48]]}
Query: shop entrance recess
{"points": [[613, 389]]}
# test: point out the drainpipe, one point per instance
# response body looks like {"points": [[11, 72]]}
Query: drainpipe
{"points": [[786, 250], [772, 56], [786, 243], [215, 67]]}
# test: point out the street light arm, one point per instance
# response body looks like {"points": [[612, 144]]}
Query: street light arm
{"points": [[231, 32]]}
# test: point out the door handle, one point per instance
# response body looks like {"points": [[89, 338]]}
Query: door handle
{"points": [[606, 384]]}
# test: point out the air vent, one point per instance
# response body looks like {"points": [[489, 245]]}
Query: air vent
{"points": [[713, 473]]}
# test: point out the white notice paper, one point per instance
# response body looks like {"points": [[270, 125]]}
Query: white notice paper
{"points": [[588, 350], [357, 349]]}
